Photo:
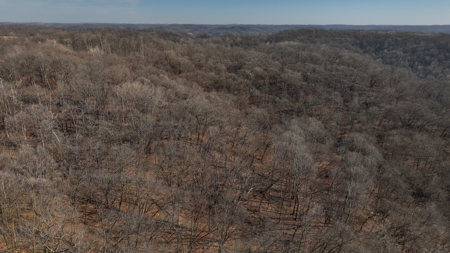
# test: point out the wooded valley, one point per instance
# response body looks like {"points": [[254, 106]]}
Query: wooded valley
{"points": [[311, 140]]}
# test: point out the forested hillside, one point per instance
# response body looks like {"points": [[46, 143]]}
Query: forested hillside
{"points": [[118, 140]]}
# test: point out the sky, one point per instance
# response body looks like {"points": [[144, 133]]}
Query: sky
{"points": [[300, 12]]}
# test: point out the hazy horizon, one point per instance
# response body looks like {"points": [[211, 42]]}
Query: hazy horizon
{"points": [[213, 24], [230, 12]]}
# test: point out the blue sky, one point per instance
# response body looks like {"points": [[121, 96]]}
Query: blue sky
{"points": [[363, 12]]}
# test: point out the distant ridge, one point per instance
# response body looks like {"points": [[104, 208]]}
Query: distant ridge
{"points": [[237, 29]]}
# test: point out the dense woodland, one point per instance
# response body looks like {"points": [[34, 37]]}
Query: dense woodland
{"points": [[120, 140]]}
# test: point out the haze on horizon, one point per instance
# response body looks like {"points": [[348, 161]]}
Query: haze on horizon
{"points": [[319, 12]]}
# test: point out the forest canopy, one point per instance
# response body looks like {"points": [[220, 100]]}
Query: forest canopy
{"points": [[311, 140]]}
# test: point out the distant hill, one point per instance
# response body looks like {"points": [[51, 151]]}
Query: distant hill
{"points": [[236, 29]]}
